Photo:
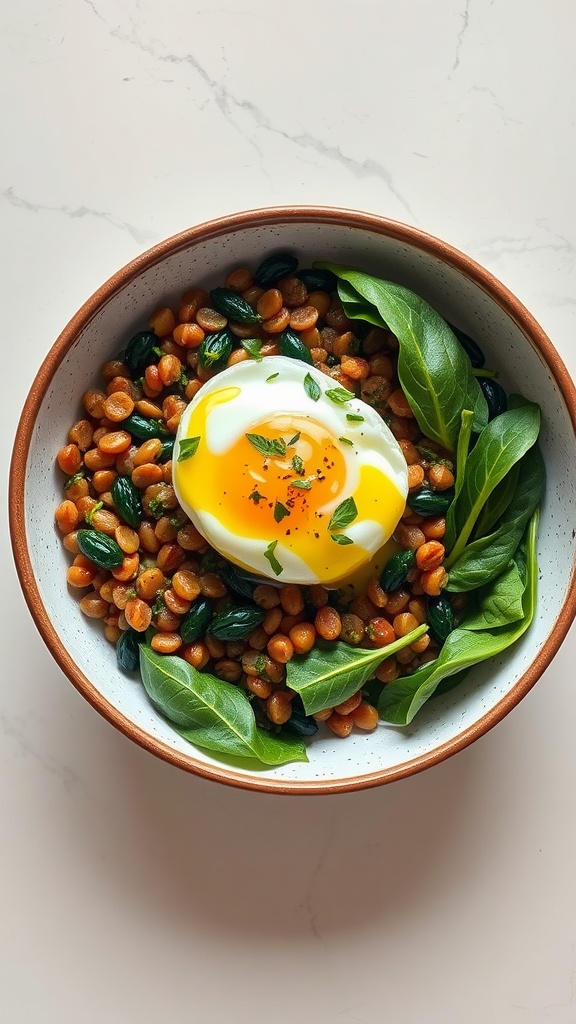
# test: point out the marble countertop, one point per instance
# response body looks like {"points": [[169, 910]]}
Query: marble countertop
{"points": [[130, 891]]}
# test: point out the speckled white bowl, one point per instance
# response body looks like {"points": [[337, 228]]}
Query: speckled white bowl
{"points": [[461, 290]]}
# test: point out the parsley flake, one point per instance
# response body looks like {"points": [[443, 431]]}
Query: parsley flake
{"points": [[187, 448], [280, 512], [274, 563], [312, 388], [340, 395], [266, 446], [344, 514]]}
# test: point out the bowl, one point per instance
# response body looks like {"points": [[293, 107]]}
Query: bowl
{"points": [[467, 295]]}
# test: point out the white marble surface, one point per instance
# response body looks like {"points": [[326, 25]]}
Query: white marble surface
{"points": [[131, 892]]}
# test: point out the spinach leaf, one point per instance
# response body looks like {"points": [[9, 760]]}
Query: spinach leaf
{"points": [[401, 700], [462, 448], [331, 673], [434, 371], [484, 559], [210, 713], [500, 446], [498, 502], [358, 308], [500, 602]]}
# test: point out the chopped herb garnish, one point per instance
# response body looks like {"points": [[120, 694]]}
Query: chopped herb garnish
{"points": [[256, 497], [297, 465], [303, 485], [280, 511], [89, 516], [339, 395], [433, 456], [272, 377], [157, 508], [260, 663], [183, 380], [159, 603], [344, 514], [75, 479], [312, 388], [274, 563], [346, 440], [354, 417], [341, 538], [294, 439], [266, 446], [253, 346], [187, 448]]}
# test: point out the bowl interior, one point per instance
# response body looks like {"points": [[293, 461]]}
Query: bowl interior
{"points": [[451, 719]]}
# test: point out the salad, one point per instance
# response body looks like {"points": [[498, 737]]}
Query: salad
{"points": [[300, 501]]}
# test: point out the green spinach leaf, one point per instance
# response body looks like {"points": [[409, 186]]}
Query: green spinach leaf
{"points": [[500, 602], [210, 713], [358, 308], [467, 419], [434, 371], [401, 700], [498, 502], [499, 447], [331, 673], [484, 559]]}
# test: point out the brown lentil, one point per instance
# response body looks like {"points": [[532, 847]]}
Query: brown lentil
{"points": [[434, 581], [196, 654], [166, 643], [349, 705], [278, 707], [328, 623], [365, 716], [440, 477], [138, 614], [341, 725]]}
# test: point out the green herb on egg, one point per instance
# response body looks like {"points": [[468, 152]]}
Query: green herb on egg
{"points": [[344, 514], [339, 395], [311, 387], [266, 446], [280, 511], [274, 563], [187, 448]]}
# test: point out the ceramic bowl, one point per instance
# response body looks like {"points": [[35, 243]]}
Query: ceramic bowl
{"points": [[461, 290]]}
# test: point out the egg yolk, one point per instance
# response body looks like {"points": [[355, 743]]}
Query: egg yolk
{"points": [[288, 492]]}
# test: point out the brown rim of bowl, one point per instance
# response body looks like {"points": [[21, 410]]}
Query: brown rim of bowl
{"points": [[210, 229]]}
